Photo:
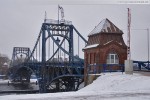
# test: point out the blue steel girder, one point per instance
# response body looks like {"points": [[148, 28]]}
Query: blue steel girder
{"points": [[35, 45], [43, 44], [48, 71], [68, 53], [58, 68], [142, 64], [76, 66], [64, 37], [80, 35], [22, 51], [71, 49]]}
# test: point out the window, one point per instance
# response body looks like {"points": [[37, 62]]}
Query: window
{"points": [[112, 58]]}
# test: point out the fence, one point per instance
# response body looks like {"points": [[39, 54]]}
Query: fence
{"points": [[101, 68]]}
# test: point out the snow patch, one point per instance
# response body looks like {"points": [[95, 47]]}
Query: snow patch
{"points": [[91, 46], [108, 42]]}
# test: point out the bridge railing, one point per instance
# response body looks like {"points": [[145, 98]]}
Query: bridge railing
{"points": [[52, 21], [141, 65]]}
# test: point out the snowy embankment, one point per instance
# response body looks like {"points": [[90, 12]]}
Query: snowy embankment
{"points": [[120, 83], [114, 86]]}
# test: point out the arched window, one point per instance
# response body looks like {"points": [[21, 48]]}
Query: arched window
{"points": [[112, 58]]}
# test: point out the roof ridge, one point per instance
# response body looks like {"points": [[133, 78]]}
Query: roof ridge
{"points": [[97, 26], [105, 26]]}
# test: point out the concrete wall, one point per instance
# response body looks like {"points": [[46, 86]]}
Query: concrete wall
{"points": [[128, 66], [91, 78]]}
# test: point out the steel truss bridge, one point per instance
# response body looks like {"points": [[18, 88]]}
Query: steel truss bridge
{"points": [[141, 65], [52, 59]]}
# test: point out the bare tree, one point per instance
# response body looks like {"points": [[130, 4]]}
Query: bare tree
{"points": [[4, 62], [3, 59]]}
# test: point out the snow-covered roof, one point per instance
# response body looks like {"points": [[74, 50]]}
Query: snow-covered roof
{"points": [[5, 64], [91, 46], [105, 26]]}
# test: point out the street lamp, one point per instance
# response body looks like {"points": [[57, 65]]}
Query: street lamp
{"points": [[148, 44]]}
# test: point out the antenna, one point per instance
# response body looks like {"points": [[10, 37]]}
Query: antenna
{"points": [[128, 35], [58, 13], [45, 17]]}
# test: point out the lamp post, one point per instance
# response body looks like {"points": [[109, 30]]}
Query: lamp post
{"points": [[148, 44]]}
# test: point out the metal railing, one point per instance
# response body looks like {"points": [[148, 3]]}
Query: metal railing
{"points": [[141, 65], [101, 68], [52, 21]]}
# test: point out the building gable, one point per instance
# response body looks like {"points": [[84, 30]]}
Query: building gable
{"points": [[105, 26]]}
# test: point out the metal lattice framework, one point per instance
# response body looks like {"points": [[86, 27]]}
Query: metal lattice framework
{"points": [[52, 58], [19, 56], [141, 65]]}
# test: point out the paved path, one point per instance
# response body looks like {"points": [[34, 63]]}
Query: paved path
{"points": [[145, 73]]}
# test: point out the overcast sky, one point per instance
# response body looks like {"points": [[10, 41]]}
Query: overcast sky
{"points": [[21, 20]]}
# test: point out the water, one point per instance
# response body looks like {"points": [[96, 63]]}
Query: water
{"points": [[4, 86]]}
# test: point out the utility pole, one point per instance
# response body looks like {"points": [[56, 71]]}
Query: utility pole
{"points": [[128, 35]]}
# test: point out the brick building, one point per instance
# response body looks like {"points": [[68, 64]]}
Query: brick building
{"points": [[105, 46]]}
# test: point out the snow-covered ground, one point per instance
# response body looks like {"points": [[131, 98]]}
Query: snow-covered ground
{"points": [[109, 86]]}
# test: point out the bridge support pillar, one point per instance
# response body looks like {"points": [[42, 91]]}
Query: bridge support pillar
{"points": [[128, 66]]}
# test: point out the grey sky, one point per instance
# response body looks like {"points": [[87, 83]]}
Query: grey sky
{"points": [[21, 20]]}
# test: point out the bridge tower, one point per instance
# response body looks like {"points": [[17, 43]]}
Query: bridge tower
{"points": [[53, 58], [55, 72], [20, 55], [54, 30]]}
